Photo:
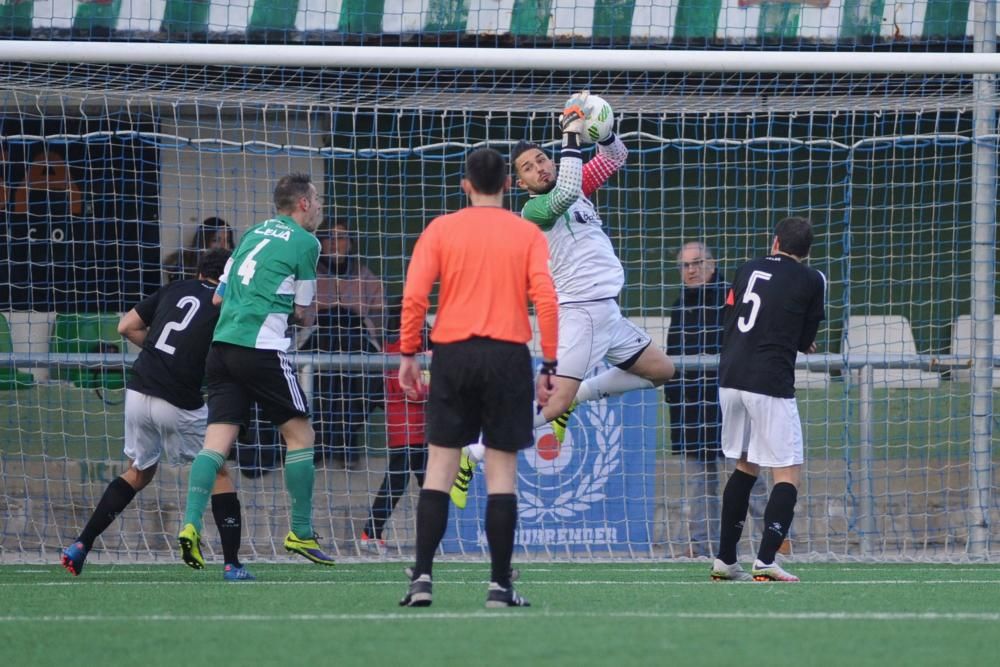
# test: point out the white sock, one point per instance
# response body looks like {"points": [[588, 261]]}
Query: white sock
{"points": [[476, 451], [611, 382]]}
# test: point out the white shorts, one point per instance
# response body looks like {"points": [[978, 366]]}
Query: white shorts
{"points": [[592, 331], [154, 426], [766, 428]]}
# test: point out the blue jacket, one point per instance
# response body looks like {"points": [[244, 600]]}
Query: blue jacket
{"points": [[696, 319]]}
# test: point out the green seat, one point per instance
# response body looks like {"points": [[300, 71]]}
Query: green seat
{"points": [[78, 333], [11, 378]]}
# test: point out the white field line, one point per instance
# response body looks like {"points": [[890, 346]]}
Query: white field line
{"points": [[116, 569], [530, 616], [201, 581]]}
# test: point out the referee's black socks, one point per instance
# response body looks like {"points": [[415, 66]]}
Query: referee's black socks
{"points": [[735, 503], [432, 520], [777, 519], [501, 521]]}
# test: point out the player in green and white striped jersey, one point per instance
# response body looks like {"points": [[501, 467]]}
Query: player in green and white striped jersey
{"points": [[269, 283], [275, 270]]}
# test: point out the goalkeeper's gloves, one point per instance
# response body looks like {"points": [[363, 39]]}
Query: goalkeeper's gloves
{"points": [[571, 119]]}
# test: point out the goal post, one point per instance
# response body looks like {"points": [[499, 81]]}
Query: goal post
{"points": [[116, 153], [467, 58]]}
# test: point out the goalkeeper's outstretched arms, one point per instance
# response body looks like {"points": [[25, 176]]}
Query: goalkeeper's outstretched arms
{"points": [[611, 156], [536, 171]]}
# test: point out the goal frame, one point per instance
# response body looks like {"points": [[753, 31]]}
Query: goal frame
{"points": [[983, 65]]}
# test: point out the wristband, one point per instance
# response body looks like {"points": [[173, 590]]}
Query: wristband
{"points": [[548, 368]]}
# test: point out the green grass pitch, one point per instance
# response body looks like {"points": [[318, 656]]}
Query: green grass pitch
{"points": [[584, 614]]}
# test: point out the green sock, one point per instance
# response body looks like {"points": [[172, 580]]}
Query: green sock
{"points": [[300, 475], [206, 465]]}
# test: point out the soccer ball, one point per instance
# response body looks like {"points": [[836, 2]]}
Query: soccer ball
{"points": [[599, 120]]}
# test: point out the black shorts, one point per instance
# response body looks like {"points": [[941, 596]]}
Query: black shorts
{"points": [[238, 376], [481, 385]]}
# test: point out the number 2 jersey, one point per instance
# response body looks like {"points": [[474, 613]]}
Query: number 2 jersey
{"points": [[773, 311], [171, 365], [272, 270]]}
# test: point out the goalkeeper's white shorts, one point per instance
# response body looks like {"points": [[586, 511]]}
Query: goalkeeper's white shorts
{"points": [[154, 428], [767, 428], [592, 331]]}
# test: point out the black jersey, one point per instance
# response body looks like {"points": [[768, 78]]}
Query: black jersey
{"points": [[773, 311], [181, 320]]}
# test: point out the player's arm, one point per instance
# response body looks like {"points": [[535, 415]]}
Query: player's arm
{"points": [[611, 156], [133, 328], [303, 316], [421, 274], [814, 315], [134, 325], [220, 289], [542, 293], [424, 269], [303, 311], [807, 340], [545, 209]]}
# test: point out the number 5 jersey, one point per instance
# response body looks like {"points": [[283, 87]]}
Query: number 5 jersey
{"points": [[773, 311]]}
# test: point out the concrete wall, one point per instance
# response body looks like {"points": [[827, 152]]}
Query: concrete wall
{"points": [[918, 515]]}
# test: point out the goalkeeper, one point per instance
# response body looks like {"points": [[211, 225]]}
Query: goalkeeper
{"points": [[587, 273]]}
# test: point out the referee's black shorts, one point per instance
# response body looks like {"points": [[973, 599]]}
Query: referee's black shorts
{"points": [[238, 376], [483, 385]]}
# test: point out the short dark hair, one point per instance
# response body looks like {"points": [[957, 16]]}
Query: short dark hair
{"points": [[213, 263], [290, 189], [329, 229], [212, 227], [795, 236], [486, 171], [519, 148]]}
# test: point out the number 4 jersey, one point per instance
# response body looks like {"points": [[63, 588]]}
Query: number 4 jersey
{"points": [[271, 271], [171, 365], [773, 311]]}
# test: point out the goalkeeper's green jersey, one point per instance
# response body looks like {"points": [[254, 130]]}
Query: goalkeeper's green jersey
{"points": [[272, 270]]}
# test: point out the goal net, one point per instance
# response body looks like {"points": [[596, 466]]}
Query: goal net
{"points": [[112, 174]]}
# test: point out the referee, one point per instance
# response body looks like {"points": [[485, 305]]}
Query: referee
{"points": [[490, 262]]}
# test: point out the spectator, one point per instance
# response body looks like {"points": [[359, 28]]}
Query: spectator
{"points": [[350, 307], [50, 243], [48, 189], [212, 233], [693, 396], [404, 433]]}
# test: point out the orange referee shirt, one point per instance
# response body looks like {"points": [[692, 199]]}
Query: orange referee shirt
{"points": [[490, 262]]}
